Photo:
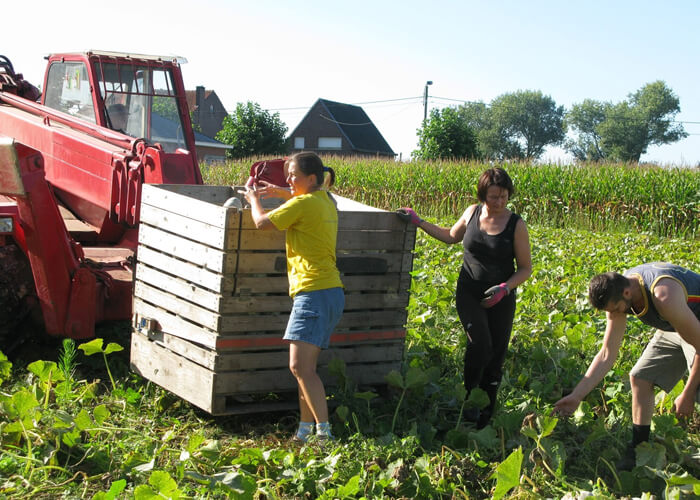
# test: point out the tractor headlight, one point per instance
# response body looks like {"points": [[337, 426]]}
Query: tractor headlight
{"points": [[7, 224]]}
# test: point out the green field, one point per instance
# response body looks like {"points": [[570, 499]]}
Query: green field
{"points": [[78, 434], [599, 197]]}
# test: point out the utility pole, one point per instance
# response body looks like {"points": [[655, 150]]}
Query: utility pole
{"points": [[425, 100]]}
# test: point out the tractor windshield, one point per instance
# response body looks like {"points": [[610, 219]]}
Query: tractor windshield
{"points": [[140, 101]]}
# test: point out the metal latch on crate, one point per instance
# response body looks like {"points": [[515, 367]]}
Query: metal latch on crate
{"points": [[145, 325]]}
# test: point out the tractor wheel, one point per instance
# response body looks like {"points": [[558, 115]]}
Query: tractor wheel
{"points": [[19, 306]]}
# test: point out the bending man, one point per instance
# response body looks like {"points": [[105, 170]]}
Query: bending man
{"points": [[661, 295]]}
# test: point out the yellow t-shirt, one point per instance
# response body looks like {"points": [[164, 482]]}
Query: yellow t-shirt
{"points": [[311, 221]]}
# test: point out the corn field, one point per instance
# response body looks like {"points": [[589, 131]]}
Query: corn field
{"points": [[663, 201]]}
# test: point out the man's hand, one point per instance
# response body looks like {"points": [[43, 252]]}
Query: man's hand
{"points": [[493, 295], [566, 406], [407, 214], [684, 405]]}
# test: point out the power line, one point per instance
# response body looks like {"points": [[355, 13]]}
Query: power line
{"points": [[353, 104], [343, 123], [418, 99]]}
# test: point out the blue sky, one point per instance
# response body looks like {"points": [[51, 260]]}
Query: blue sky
{"points": [[286, 55]]}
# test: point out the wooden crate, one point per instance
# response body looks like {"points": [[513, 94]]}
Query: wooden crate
{"points": [[211, 297]]}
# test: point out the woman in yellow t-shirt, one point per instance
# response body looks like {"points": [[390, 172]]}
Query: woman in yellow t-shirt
{"points": [[311, 220]]}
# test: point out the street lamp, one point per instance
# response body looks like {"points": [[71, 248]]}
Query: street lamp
{"points": [[425, 100]]}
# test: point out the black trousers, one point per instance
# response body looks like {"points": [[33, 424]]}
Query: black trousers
{"points": [[488, 333]]}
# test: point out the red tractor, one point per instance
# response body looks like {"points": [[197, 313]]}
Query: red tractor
{"points": [[72, 164]]}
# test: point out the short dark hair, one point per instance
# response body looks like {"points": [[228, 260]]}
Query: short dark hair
{"points": [[493, 177], [310, 164], [605, 288]]}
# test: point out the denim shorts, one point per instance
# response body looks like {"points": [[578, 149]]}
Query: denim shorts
{"points": [[314, 316]]}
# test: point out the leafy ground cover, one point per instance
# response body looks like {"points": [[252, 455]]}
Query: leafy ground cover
{"points": [[75, 423], [72, 428]]}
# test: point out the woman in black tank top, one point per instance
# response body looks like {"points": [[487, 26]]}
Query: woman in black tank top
{"points": [[496, 260]]}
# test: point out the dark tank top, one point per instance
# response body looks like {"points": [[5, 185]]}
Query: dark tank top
{"points": [[649, 274], [489, 257]]}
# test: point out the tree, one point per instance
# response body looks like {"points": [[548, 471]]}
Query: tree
{"points": [[445, 134], [521, 124], [645, 120], [624, 131], [584, 119], [253, 131]]}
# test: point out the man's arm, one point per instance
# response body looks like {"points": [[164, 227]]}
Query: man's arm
{"points": [[601, 364], [670, 301]]}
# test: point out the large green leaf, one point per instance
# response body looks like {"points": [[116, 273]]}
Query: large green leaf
{"points": [[507, 474], [114, 491], [45, 370], [112, 347], [92, 347], [415, 377], [395, 379]]}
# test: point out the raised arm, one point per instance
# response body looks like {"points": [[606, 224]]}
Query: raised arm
{"points": [[601, 364], [268, 190], [256, 210]]}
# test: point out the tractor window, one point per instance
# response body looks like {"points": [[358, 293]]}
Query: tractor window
{"points": [[147, 96], [68, 90]]}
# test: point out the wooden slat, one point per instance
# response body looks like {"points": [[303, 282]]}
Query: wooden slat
{"points": [[187, 271], [368, 240], [208, 299], [185, 249], [221, 360], [276, 262], [254, 322], [282, 379], [208, 358], [365, 239], [379, 221], [260, 303], [410, 237], [175, 325], [257, 239], [275, 340], [393, 283], [279, 303], [177, 306], [203, 387], [278, 322], [198, 202], [188, 380], [221, 238]]}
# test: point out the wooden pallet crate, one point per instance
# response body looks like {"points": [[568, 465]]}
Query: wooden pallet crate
{"points": [[211, 296]]}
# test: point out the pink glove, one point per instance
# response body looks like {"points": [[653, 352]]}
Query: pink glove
{"points": [[409, 215], [493, 295]]}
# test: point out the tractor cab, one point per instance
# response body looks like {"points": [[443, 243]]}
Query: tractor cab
{"points": [[136, 95]]}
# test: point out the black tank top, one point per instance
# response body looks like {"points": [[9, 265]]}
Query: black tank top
{"points": [[489, 257]]}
